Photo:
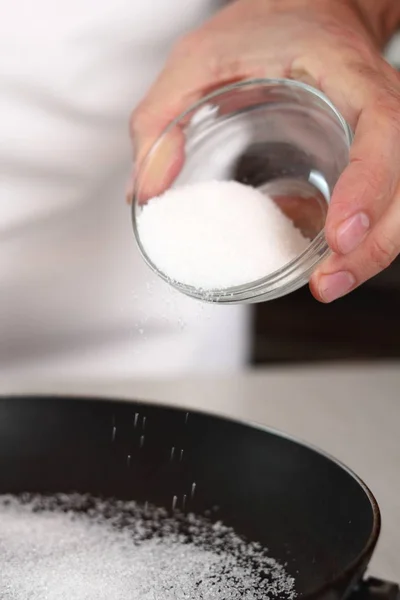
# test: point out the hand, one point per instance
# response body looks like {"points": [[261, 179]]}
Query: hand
{"points": [[335, 46]]}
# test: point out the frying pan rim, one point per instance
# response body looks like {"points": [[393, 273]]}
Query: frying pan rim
{"points": [[376, 524]]}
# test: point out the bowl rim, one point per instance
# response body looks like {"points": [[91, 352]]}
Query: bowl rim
{"points": [[271, 285]]}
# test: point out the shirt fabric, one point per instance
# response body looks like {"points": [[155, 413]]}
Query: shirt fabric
{"points": [[76, 299]]}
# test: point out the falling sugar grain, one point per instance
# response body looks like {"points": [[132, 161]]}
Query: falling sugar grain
{"points": [[214, 235], [72, 546]]}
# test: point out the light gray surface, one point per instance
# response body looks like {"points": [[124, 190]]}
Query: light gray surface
{"points": [[353, 413]]}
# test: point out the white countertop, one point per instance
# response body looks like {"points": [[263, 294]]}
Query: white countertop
{"points": [[352, 413]]}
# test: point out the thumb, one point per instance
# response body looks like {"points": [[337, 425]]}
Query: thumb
{"points": [[157, 166]]}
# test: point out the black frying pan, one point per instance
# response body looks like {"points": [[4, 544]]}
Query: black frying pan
{"points": [[311, 512]]}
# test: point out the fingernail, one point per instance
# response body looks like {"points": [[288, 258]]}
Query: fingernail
{"points": [[163, 165], [334, 286], [352, 232]]}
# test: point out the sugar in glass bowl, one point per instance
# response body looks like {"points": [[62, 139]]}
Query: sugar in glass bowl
{"points": [[279, 136]]}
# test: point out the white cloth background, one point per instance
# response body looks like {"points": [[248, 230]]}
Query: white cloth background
{"points": [[75, 298]]}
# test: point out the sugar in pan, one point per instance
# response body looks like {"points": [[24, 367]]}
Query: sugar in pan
{"points": [[76, 547]]}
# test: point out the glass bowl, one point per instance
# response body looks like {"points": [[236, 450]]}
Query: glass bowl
{"points": [[281, 136]]}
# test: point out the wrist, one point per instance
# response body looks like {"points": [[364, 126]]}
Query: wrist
{"points": [[382, 17]]}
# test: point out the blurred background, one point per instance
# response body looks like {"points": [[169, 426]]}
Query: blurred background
{"points": [[297, 329]]}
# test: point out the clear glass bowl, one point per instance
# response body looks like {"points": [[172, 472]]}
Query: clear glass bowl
{"points": [[281, 136]]}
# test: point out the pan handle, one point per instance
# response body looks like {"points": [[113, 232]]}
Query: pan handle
{"points": [[376, 589]]}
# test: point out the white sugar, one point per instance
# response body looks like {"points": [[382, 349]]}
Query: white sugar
{"points": [[217, 234], [76, 547]]}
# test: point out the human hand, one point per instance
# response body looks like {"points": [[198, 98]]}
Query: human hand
{"points": [[335, 46]]}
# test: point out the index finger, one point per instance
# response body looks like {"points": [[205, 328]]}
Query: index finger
{"points": [[178, 86], [366, 187]]}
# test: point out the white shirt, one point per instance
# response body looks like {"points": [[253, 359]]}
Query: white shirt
{"points": [[76, 300]]}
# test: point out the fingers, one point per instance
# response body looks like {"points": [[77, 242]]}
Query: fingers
{"points": [[199, 64], [365, 189], [219, 52], [176, 88], [233, 45], [148, 122], [157, 171], [363, 222], [341, 274], [179, 85]]}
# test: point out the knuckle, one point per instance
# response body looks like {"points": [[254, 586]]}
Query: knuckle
{"points": [[375, 183], [382, 252], [387, 107], [201, 46], [372, 178], [386, 102], [352, 39], [142, 116], [222, 69], [393, 115]]}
